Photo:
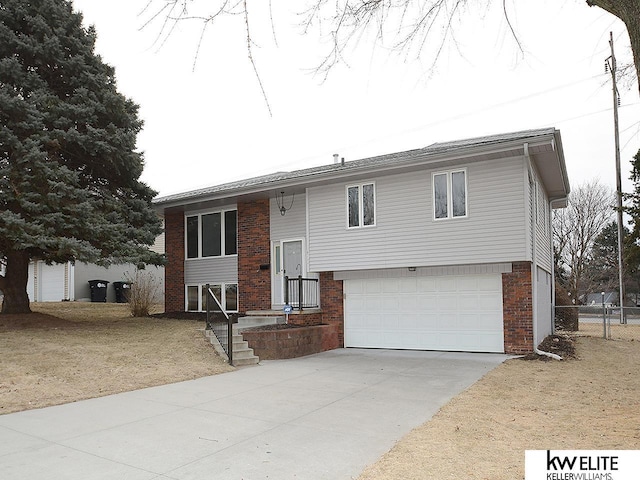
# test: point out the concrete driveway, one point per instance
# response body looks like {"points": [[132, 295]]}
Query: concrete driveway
{"points": [[326, 416]]}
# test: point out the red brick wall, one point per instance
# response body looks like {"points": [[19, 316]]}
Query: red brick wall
{"points": [[332, 304], [174, 270], [289, 343], [254, 285], [517, 309], [305, 319]]}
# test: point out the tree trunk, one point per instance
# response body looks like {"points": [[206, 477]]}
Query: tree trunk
{"points": [[629, 12], [14, 284]]}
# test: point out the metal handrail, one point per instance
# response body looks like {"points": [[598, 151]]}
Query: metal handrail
{"points": [[219, 323], [303, 295]]}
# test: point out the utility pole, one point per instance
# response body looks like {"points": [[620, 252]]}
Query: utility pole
{"points": [[611, 64]]}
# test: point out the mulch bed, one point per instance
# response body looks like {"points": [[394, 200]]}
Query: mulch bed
{"points": [[182, 315], [562, 345], [201, 316], [278, 326]]}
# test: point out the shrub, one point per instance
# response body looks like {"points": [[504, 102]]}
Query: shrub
{"points": [[143, 292], [566, 318]]}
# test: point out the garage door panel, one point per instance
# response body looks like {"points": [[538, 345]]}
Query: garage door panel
{"points": [[391, 322], [490, 303], [373, 286], [447, 303], [425, 284], [391, 304], [427, 303], [459, 313], [491, 283], [469, 321], [467, 283], [405, 285], [468, 301], [353, 287], [446, 284], [408, 304]]}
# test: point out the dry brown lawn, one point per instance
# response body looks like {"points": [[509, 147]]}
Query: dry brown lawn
{"points": [[591, 402], [91, 349]]}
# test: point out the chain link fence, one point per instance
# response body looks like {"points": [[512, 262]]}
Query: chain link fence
{"points": [[602, 321]]}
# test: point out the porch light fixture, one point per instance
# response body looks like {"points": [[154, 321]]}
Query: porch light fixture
{"points": [[412, 269], [280, 202]]}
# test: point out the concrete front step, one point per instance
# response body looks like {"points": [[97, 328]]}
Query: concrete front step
{"points": [[242, 354], [256, 321]]}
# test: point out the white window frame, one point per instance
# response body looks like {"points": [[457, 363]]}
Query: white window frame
{"points": [[201, 287], [360, 188], [449, 176], [222, 234]]}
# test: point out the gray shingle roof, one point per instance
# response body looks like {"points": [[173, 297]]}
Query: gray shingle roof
{"points": [[365, 163]]}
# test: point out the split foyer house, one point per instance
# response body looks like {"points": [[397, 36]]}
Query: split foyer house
{"points": [[447, 247]]}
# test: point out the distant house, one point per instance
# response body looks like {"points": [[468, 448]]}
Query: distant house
{"points": [[610, 299], [446, 247], [70, 281]]}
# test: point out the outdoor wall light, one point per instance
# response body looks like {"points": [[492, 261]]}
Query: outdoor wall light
{"points": [[412, 269], [280, 203]]}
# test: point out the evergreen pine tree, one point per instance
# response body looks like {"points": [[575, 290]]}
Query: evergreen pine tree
{"points": [[69, 171]]}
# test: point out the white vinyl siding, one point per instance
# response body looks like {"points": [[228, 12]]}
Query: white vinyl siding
{"points": [[543, 322], [202, 270], [293, 224], [542, 234], [406, 233]]}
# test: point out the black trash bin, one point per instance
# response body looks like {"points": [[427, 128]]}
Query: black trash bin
{"points": [[122, 291], [98, 290]]}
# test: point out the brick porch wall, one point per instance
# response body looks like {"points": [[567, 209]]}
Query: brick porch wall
{"points": [[174, 270], [254, 285], [332, 304], [517, 309]]}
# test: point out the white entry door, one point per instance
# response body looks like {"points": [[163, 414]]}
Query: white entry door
{"points": [[288, 262]]}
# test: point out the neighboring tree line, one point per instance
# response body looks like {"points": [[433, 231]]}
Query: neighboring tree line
{"points": [[585, 242]]}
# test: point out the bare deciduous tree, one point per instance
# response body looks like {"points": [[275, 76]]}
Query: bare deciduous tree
{"points": [[575, 229], [405, 26]]}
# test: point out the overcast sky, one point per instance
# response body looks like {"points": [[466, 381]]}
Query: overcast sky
{"points": [[211, 125]]}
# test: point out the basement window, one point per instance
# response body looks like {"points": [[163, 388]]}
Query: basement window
{"points": [[196, 300]]}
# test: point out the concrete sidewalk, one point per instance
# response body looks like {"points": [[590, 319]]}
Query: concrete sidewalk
{"points": [[326, 416]]}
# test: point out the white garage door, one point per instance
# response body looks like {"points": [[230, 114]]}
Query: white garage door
{"points": [[452, 313], [51, 282]]}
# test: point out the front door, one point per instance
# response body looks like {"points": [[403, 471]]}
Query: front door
{"points": [[292, 266], [287, 259]]}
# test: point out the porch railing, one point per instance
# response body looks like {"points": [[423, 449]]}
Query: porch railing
{"points": [[219, 323], [301, 292]]}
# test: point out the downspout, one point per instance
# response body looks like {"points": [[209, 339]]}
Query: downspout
{"points": [[553, 286], [534, 241], [534, 258]]}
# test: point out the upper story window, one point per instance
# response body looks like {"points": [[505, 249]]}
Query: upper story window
{"points": [[361, 205], [450, 194], [212, 234]]}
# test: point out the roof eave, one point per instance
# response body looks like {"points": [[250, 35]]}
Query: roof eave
{"points": [[347, 171]]}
